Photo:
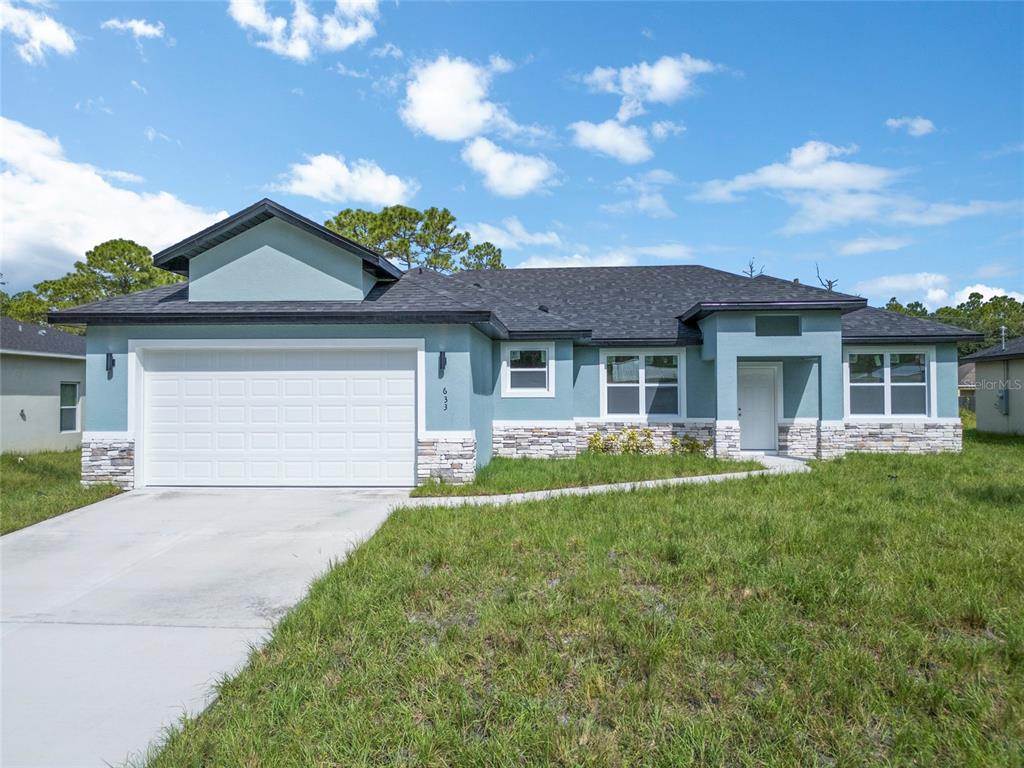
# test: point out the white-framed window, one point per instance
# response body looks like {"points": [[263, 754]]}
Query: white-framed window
{"points": [[528, 369], [69, 406], [642, 384], [889, 383]]}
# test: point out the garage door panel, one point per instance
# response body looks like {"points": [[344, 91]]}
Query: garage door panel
{"points": [[279, 417]]}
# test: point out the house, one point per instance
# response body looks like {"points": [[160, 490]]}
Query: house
{"points": [[293, 356], [999, 387], [42, 388]]}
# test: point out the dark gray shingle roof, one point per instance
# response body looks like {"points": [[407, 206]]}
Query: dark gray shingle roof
{"points": [[608, 305], [880, 325], [16, 336], [1014, 348]]}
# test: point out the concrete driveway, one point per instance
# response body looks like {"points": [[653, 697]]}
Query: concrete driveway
{"points": [[119, 617]]}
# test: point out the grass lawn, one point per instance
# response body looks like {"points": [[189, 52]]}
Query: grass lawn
{"points": [[515, 475], [38, 486], [868, 613]]}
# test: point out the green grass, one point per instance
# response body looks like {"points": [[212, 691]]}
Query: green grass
{"points": [[868, 613], [38, 486], [515, 475]]}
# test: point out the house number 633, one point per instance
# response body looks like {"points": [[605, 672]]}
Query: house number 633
{"points": [[444, 391]]}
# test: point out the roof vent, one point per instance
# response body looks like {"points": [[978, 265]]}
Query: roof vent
{"points": [[543, 308], [796, 281], [477, 285]]}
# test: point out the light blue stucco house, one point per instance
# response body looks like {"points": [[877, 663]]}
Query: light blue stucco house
{"points": [[293, 356]]}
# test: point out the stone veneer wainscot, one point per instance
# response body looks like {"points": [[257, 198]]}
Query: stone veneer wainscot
{"points": [[108, 460], [452, 460]]}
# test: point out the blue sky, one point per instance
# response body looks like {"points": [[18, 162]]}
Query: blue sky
{"points": [[882, 142]]}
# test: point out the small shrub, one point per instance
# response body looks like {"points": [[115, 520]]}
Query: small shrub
{"points": [[595, 443], [630, 442], [611, 443], [688, 444]]}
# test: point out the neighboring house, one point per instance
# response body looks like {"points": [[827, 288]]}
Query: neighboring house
{"points": [[296, 357], [42, 388], [965, 385], [999, 387]]}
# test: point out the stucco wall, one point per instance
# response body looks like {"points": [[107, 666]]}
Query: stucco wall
{"points": [[31, 385], [108, 398], [991, 377], [730, 337], [559, 407], [275, 261]]}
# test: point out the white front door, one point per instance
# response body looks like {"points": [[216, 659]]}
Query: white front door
{"points": [[756, 399], [268, 416]]}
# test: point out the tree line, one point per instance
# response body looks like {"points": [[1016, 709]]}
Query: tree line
{"points": [[976, 314], [407, 236]]}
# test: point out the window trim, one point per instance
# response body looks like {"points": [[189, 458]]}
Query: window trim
{"points": [[930, 378], [77, 408], [641, 352], [548, 347]]}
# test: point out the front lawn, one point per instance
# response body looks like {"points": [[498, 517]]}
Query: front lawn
{"points": [[38, 486], [516, 475], [868, 613]]}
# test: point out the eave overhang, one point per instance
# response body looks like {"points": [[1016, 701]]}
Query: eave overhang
{"points": [[702, 309]]}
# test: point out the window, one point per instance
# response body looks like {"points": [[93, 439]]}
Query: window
{"points": [[888, 384], [641, 384], [528, 370], [777, 325], [68, 406]]}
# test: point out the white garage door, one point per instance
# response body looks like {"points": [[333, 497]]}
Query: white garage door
{"points": [[279, 417]]}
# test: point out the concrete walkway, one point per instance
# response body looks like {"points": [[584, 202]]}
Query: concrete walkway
{"points": [[119, 617], [774, 465]]}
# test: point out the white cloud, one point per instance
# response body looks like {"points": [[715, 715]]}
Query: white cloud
{"points": [[139, 28], [928, 286], [626, 143], [36, 32], [932, 289], [647, 197], [662, 129], [330, 179], [387, 51], [152, 134], [54, 209], [811, 167], [91, 106], [139, 87], [915, 126], [865, 245], [932, 214], [125, 177], [1006, 149], [665, 81], [357, 74], [986, 291], [304, 34], [447, 99], [826, 191], [508, 174], [511, 235], [613, 257]]}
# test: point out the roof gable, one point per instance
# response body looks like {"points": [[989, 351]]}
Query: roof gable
{"points": [[176, 258]]}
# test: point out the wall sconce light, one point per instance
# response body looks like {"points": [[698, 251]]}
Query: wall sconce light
{"points": [[110, 365], [442, 363]]}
